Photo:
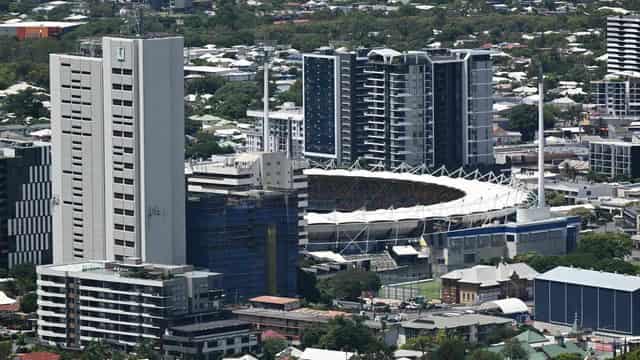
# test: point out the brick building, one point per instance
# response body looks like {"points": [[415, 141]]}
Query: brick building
{"points": [[483, 283]]}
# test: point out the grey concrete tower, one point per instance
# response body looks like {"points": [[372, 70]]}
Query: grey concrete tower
{"points": [[130, 152]]}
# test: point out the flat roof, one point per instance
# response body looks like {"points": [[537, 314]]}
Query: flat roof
{"points": [[453, 320], [303, 314], [277, 300], [593, 278], [210, 325]]}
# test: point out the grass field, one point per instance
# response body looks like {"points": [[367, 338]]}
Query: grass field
{"points": [[430, 289]]}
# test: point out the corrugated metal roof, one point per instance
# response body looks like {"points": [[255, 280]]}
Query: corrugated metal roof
{"points": [[592, 278]]}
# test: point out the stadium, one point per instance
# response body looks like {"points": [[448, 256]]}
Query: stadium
{"points": [[363, 211]]}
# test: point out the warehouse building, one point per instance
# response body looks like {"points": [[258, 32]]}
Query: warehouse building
{"points": [[597, 300]]}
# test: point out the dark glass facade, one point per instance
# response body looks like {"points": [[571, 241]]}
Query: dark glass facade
{"points": [[447, 114], [320, 104], [250, 237], [25, 205]]}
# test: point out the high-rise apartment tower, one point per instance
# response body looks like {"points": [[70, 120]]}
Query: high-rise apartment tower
{"points": [[431, 107], [118, 150]]}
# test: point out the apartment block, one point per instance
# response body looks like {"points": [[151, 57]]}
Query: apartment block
{"points": [[121, 303], [623, 44], [286, 132], [245, 216], [211, 340], [117, 124], [25, 203], [617, 97], [431, 107], [333, 103], [615, 158]]}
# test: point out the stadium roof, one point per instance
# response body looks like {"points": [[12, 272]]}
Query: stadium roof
{"points": [[480, 197], [592, 278]]}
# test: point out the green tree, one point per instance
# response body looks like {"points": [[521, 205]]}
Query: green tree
{"points": [[25, 278], [424, 344], [450, 348], [95, 350], [5, 350], [349, 284], [484, 354], [145, 350], [555, 198], [271, 347], [311, 336], [293, 94], [206, 85], [513, 350], [349, 335], [524, 118], [606, 245], [29, 303]]}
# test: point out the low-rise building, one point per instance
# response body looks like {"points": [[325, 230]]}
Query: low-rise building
{"points": [[121, 303], [288, 323], [596, 300], [483, 283], [37, 29], [472, 328], [615, 158], [210, 340], [275, 303]]}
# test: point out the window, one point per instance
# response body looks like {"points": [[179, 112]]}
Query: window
{"points": [[116, 86], [119, 242], [127, 72], [127, 103], [128, 181], [127, 87], [117, 102], [118, 226], [116, 71], [128, 197], [129, 228], [130, 244], [117, 133]]}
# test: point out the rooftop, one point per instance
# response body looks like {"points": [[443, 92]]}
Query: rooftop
{"points": [[486, 275], [130, 269], [598, 279], [452, 320], [58, 24], [302, 314], [220, 324], [277, 300]]}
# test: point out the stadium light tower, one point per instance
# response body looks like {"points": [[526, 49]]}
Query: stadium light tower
{"points": [[267, 49], [541, 200]]}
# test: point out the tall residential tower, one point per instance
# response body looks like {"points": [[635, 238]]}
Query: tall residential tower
{"points": [[118, 151], [431, 107]]}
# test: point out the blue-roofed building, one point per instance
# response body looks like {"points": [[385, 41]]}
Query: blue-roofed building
{"points": [[462, 248], [599, 301]]}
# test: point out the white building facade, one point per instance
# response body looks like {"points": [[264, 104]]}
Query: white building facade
{"points": [[118, 150]]}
